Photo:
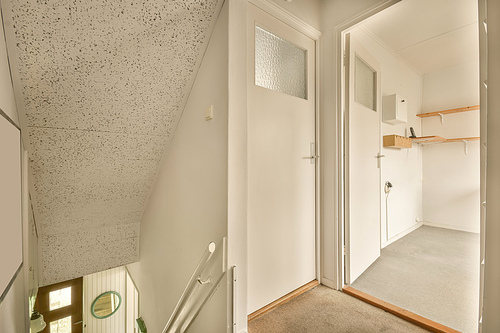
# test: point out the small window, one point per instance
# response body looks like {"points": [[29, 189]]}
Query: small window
{"points": [[365, 84]]}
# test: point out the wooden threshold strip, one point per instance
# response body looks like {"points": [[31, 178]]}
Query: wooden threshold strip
{"points": [[399, 312], [270, 307]]}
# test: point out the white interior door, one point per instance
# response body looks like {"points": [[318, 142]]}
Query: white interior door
{"points": [[281, 174], [363, 116]]}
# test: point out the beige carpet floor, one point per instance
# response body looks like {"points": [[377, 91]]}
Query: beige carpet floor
{"points": [[324, 310], [432, 272]]}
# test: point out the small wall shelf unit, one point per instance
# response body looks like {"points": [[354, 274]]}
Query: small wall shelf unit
{"points": [[396, 141]]}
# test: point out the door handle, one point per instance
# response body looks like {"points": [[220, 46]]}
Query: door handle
{"points": [[312, 149], [78, 322], [313, 158], [378, 159]]}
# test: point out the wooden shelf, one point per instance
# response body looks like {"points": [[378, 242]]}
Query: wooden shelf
{"points": [[472, 138], [428, 139], [439, 113], [438, 139]]}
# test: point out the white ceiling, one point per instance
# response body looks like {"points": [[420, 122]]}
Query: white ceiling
{"points": [[101, 85], [429, 34]]}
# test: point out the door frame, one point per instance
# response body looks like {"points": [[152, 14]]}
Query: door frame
{"points": [[341, 140], [284, 16], [339, 144], [59, 313]]}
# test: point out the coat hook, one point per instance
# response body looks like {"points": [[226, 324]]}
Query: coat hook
{"points": [[442, 118], [465, 147]]}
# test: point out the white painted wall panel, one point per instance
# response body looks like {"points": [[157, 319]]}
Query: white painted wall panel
{"points": [[12, 309], [11, 240], [188, 206], [7, 100], [93, 286], [452, 87], [451, 182], [307, 10], [132, 306], [237, 160]]}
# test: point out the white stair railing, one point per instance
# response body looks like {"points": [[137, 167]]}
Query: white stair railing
{"points": [[201, 286]]}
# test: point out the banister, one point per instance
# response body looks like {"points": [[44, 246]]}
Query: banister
{"points": [[203, 283]]}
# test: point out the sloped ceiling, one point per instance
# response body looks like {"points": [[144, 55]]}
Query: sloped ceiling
{"points": [[100, 86], [429, 34]]}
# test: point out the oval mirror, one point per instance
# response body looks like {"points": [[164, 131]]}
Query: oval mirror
{"points": [[106, 304]]}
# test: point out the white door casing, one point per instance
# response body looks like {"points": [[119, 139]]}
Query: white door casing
{"points": [[281, 175], [362, 220]]}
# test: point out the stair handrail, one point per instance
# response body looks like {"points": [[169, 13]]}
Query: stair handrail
{"points": [[202, 285]]}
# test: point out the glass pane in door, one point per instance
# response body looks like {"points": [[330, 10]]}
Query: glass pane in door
{"points": [[60, 298], [280, 65], [61, 325], [365, 84]]}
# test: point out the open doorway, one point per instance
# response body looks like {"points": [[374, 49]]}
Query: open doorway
{"points": [[427, 202]]}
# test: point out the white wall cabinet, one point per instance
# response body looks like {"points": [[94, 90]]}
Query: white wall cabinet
{"points": [[394, 109]]}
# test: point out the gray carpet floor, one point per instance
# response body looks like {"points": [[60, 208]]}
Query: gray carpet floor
{"points": [[432, 272], [324, 310]]}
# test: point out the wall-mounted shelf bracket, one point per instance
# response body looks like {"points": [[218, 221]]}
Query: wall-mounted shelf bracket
{"points": [[442, 118]]}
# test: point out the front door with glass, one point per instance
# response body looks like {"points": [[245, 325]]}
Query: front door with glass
{"points": [[61, 305]]}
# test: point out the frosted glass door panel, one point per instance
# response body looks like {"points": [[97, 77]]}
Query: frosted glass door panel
{"points": [[61, 325], [279, 64], [365, 85]]}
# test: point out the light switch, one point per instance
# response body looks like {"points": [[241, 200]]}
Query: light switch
{"points": [[209, 113]]}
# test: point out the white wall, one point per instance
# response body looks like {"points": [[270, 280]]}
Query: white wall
{"points": [[93, 286], [12, 309], [402, 167], [7, 101], [450, 88], [131, 305], [307, 10], [188, 206], [451, 182], [237, 160], [13, 314]]}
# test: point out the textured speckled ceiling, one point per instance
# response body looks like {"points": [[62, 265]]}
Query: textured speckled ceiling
{"points": [[102, 85]]}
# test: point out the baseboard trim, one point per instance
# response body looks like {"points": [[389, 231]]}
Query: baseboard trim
{"points": [[402, 234], [270, 307], [451, 227], [399, 312]]}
